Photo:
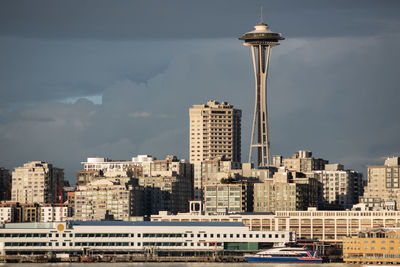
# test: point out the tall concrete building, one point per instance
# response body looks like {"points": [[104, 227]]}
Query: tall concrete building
{"points": [[383, 189], [37, 182], [215, 132], [5, 184]]}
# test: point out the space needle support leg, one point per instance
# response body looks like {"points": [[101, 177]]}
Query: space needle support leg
{"points": [[261, 114], [267, 143], [255, 103]]}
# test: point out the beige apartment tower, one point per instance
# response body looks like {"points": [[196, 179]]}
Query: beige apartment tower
{"points": [[215, 131], [36, 182]]}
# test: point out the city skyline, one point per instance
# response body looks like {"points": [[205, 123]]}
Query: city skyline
{"points": [[90, 80]]}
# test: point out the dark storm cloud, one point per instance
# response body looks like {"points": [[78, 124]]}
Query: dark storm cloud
{"points": [[333, 85], [36, 70], [158, 19]]}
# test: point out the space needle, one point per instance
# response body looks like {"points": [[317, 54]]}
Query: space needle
{"points": [[261, 40]]}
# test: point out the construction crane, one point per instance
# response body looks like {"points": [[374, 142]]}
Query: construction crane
{"points": [[60, 198]]}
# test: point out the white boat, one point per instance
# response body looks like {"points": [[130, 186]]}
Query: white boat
{"points": [[285, 255]]}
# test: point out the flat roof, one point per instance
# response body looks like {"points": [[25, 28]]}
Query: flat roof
{"points": [[146, 223]]}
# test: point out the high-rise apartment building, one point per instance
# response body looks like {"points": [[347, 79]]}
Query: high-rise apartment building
{"points": [[383, 188], [37, 182], [215, 132]]}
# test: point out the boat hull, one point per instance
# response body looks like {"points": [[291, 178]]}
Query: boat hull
{"points": [[284, 259]]}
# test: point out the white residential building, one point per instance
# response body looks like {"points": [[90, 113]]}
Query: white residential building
{"points": [[6, 214], [114, 168], [54, 213]]}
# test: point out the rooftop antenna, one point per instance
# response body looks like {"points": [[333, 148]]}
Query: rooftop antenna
{"points": [[261, 22]]}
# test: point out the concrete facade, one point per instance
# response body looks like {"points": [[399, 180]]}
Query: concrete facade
{"points": [[228, 198], [215, 131], [108, 198], [36, 182], [301, 161], [52, 213], [166, 193], [285, 191], [383, 188], [6, 214], [341, 188]]}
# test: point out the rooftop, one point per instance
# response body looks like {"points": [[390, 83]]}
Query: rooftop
{"points": [[145, 223]]}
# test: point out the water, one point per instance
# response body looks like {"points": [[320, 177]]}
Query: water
{"points": [[164, 264]]}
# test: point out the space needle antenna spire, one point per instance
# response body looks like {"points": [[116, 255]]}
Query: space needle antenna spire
{"points": [[261, 40]]}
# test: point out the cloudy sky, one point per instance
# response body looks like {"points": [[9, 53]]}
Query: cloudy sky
{"points": [[116, 78]]}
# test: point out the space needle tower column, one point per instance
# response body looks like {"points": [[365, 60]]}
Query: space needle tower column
{"points": [[261, 40]]}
